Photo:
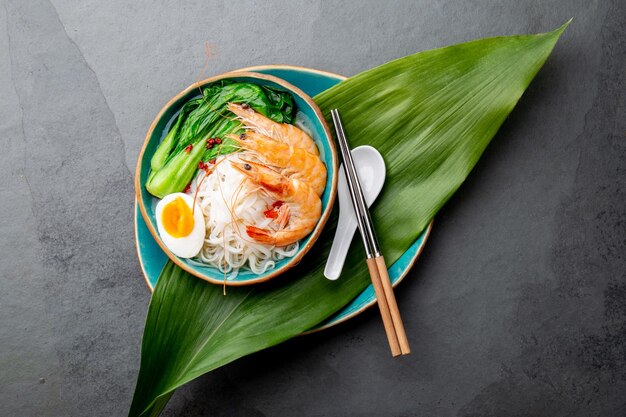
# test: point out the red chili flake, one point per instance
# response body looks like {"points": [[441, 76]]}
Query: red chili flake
{"points": [[277, 204], [212, 141], [187, 188], [218, 140], [209, 145], [189, 148], [212, 161], [271, 214], [202, 165]]}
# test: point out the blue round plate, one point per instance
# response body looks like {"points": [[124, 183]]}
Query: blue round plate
{"points": [[312, 82]]}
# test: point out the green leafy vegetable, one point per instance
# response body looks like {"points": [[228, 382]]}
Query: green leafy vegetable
{"points": [[176, 159], [431, 115], [164, 150]]}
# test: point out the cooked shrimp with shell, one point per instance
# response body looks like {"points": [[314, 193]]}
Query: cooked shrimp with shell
{"points": [[282, 132], [292, 162], [300, 209]]}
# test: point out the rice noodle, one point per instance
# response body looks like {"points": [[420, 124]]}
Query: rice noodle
{"points": [[229, 203]]}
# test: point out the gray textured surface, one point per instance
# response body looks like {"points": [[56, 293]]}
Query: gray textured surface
{"points": [[517, 307]]}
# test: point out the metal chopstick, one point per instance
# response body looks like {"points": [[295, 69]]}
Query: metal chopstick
{"points": [[375, 261]]}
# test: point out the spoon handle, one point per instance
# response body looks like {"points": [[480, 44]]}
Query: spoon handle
{"points": [[346, 227]]}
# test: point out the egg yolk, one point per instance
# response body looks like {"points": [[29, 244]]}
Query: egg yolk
{"points": [[177, 218]]}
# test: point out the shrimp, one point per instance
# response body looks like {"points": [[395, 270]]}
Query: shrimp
{"points": [[301, 204], [295, 163], [282, 132]]}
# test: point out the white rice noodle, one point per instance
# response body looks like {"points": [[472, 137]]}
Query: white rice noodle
{"points": [[229, 203]]}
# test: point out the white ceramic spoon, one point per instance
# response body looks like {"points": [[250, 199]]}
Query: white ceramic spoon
{"points": [[370, 167]]}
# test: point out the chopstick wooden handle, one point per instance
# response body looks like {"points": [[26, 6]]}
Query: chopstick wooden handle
{"points": [[383, 306], [393, 306]]}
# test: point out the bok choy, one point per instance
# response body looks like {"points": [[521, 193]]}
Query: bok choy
{"points": [[175, 161]]}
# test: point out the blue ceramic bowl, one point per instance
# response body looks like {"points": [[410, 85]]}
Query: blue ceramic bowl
{"points": [[319, 131]]}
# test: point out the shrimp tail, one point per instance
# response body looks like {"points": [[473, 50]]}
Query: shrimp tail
{"points": [[260, 235], [280, 238]]}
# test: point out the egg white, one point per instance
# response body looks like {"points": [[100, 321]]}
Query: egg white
{"points": [[187, 246]]}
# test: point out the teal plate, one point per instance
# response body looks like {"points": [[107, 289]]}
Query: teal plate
{"points": [[152, 258]]}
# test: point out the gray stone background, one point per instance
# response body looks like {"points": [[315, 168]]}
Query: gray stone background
{"points": [[517, 306]]}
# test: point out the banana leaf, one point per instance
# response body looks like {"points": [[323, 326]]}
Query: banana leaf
{"points": [[431, 115]]}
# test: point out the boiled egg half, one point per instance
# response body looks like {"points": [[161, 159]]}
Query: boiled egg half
{"points": [[181, 228]]}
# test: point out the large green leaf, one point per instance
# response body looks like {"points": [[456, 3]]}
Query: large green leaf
{"points": [[431, 115]]}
